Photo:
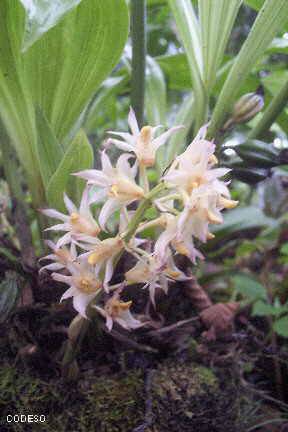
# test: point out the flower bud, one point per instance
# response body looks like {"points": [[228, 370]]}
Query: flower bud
{"points": [[247, 107]]}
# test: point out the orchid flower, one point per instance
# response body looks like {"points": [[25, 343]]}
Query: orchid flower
{"points": [[179, 237], [79, 224], [61, 257], [154, 273], [84, 284], [194, 167], [141, 142], [118, 311], [117, 183]]}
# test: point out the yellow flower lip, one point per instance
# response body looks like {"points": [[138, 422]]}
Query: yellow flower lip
{"points": [[74, 217], [87, 286], [146, 134], [212, 218]]}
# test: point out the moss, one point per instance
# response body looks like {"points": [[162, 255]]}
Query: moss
{"points": [[105, 404], [184, 397], [190, 397]]}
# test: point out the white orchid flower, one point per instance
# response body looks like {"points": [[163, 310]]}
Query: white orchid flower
{"points": [[155, 273], [84, 284], [115, 310], [179, 236], [193, 167], [61, 257], [117, 183], [203, 207], [141, 142], [79, 224]]}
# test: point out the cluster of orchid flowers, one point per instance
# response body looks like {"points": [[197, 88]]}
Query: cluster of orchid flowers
{"points": [[188, 198]]}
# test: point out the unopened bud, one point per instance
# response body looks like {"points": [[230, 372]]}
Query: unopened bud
{"points": [[247, 107]]}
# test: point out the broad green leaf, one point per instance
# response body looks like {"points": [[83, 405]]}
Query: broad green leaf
{"points": [[9, 292], [249, 287], [79, 156], [262, 308], [281, 326], [49, 150], [242, 218], [155, 97], [111, 86], [216, 19], [189, 32], [66, 66], [60, 73], [41, 15], [176, 70], [268, 23]]}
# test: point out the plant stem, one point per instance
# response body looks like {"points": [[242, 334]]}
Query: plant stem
{"points": [[138, 35], [145, 204], [271, 113]]}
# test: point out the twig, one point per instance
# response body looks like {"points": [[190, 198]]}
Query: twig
{"points": [[148, 421], [130, 342], [172, 327]]}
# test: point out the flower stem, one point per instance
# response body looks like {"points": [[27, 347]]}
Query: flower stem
{"points": [[138, 35], [145, 204]]}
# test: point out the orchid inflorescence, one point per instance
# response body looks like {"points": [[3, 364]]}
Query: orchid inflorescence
{"points": [[188, 198]]}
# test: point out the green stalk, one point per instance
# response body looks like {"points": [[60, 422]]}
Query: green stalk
{"points": [[138, 36], [275, 107], [145, 204]]}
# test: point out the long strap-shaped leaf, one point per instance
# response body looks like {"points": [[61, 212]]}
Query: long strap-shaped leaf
{"points": [[269, 21], [189, 31], [216, 19]]}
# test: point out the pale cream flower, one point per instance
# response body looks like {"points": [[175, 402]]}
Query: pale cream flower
{"points": [[180, 237], [61, 257], [155, 273], [84, 284], [79, 223], [141, 142], [117, 183], [115, 310], [193, 167], [203, 207]]}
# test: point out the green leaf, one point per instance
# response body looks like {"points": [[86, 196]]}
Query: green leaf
{"points": [[261, 308], [217, 19], [249, 287], [284, 249], [155, 96], [9, 292], [176, 70], [189, 32], [268, 23], [242, 218], [281, 326], [66, 66], [255, 4], [79, 156], [60, 73], [42, 15], [50, 153], [185, 117]]}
